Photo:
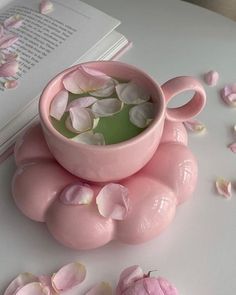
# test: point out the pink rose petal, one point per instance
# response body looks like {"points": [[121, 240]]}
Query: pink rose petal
{"points": [[232, 146], [68, 277], [107, 90], [77, 194], [46, 281], [113, 201], [81, 119], [90, 138], [223, 187], [45, 6], [107, 107], [35, 288], [20, 281], [129, 276], [167, 287], [14, 21], [100, 289], [10, 57], [58, 104], [211, 78], [85, 80], [228, 94], [10, 84], [8, 40], [131, 93], [142, 114], [9, 69], [194, 125], [82, 102]]}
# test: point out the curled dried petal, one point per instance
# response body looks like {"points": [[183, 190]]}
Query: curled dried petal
{"points": [[129, 276], [113, 201], [46, 281], [107, 107], [82, 102], [131, 93], [8, 40], [14, 21], [90, 138], [194, 125], [211, 78], [77, 194], [100, 289], [141, 115], [58, 104], [45, 6], [9, 69], [228, 94], [10, 84], [20, 281], [232, 147], [35, 288], [223, 187], [68, 277], [81, 119]]}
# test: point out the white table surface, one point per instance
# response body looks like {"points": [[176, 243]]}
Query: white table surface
{"points": [[198, 250]]}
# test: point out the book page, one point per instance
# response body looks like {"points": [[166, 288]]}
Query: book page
{"points": [[47, 45]]}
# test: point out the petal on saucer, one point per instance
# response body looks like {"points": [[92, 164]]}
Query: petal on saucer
{"points": [[90, 138], [20, 281], [34, 288], [141, 115], [131, 93], [107, 107], [81, 119], [58, 104], [100, 289], [82, 102]]}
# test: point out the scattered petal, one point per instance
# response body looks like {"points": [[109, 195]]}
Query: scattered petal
{"points": [[232, 146], [90, 138], [129, 276], [81, 119], [10, 56], [10, 84], [9, 69], [58, 104], [8, 40], [194, 125], [211, 78], [68, 276], [131, 93], [228, 94], [141, 115], [223, 187], [34, 288], [77, 194], [20, 281], [113, 201], [46, 281], [100, 289], [14, 21], [82, 102], [45, 6], [107, 90], [167, 287], [85, 80], [107, 107]]}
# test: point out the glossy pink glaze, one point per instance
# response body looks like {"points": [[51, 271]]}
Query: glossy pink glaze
{"points": [[155, 191], [118, 161]]}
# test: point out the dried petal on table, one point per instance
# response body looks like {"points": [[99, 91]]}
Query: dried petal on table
{"points": [[20, 281], [232, 147], [223, 187], [194, 125], [211, 78], [228, 94]]}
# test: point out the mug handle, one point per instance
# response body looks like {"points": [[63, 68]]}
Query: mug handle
{"points": [[193, 107]]}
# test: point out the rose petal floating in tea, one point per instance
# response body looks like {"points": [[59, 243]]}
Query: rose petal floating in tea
{"points": [[232, 147], [141, 115], [223, 187], [82, 102], [77, 194], [68, 276], [14, 21], [20, 281], [58, 104], [45, 6], [107, 107], [100, 289], [211, 78], [194, 125], [90, 138], [131, 93], [113, 201], [85, 80], [228, 94], [34, 289], [107, 90], [81, 119], [9, 69], [8, 40], [10, 84]]}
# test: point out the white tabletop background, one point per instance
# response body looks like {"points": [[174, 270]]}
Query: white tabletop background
{"points": [[198, 250]]}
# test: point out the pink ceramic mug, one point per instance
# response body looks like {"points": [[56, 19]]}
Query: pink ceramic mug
{"points": [[118, 161]]}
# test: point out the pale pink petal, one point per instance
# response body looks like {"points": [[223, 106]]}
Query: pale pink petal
{"points": [[113, 201], [107, 107], [35, 288], [231, 99], [129, 276], [82, 102], [46, 281], [68, 276], [45, 6], [167, 287], [77, 194], [8, 40], [100, 289], [107, 90], [90, 138], [10, 84], [58, 104], [228, 94], [142, 115], [14, 21], [84, 80], [11, 56], [232, 146], [131, 93], [20, 281], [223, 187], [194, 125], [9, 69], [211, 78], [81, 119]]}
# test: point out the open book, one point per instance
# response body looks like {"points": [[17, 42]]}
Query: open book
{"points": [[73, 32]]}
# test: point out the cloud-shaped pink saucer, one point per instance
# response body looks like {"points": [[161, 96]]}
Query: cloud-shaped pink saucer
{"points": [[166, 181]]}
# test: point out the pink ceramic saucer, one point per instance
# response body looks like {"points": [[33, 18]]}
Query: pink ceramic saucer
{"points": [[166, 181]]}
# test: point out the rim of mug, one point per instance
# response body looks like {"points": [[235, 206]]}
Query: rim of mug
{"points": [[45, 117]]}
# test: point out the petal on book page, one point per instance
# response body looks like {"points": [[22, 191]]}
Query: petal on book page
{"points": [[14, 21], [45, 6], [9, 69], [8, 40], [10, 84], [90, 138]]}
